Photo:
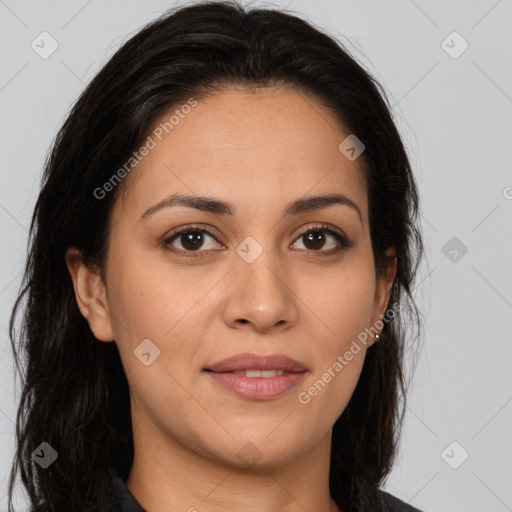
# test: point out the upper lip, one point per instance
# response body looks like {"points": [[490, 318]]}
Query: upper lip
{"points": [[242, 362]]}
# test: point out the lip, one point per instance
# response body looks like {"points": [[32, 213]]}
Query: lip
{"points": [[257, 388], [247, 361]]}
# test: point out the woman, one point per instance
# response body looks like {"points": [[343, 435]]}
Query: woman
{"points": [[222, 257]]}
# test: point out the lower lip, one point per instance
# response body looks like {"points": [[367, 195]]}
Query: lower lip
{"points": [[257, 388]]}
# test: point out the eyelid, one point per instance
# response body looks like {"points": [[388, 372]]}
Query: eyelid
{"points": [[192, 227], [166, 240], [320, 226]]}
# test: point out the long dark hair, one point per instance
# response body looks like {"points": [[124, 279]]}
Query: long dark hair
{"points": [[75, 393]]}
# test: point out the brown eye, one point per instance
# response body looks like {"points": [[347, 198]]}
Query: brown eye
{"points": [[191, 240], [314, 240], [317, 238]]}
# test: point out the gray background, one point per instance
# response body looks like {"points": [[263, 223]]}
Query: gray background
{"points": [[455, 117]]}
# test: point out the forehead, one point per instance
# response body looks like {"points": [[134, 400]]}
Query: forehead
{"points": [[254, 149]]}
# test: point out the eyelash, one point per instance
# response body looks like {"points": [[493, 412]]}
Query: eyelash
{"points": [[343, 241]]}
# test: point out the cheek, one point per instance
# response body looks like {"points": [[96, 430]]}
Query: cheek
{"points": [[342, 303], [150, 297], [155, 315], [153, 300], [343, 309]]}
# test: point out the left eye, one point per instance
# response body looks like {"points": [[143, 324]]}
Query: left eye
{"points": [[314, 239]]}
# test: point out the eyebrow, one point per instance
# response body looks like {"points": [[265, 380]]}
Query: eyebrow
{"points": [[216, 206]]}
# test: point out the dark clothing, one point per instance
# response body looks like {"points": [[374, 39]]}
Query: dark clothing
{"points": [[396, 505], [122, 500]]}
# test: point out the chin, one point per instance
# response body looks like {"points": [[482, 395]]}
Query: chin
{"points": [[260, 453]]}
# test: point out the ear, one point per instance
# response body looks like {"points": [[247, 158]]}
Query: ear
{"points": [[90, 295], [383, 289]]}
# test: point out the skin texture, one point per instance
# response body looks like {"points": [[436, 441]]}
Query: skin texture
{"points": [[257, 151]]}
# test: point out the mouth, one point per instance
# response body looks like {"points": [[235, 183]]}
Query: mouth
{"points": [[255, 377]]}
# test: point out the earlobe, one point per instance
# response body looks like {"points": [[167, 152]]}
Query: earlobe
{"points": [[90, 294]]}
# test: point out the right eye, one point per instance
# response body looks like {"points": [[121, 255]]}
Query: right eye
{"points": [[191, 239]]}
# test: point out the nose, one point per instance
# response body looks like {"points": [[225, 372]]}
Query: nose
{"points": [[260, 292]]}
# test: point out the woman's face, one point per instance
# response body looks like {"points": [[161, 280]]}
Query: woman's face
{"points": [[253, 283]]}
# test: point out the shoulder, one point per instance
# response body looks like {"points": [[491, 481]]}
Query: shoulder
{"points": [[394, 504], [119, 498]]}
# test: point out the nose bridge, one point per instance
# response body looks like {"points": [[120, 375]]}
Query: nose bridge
{"points": [[260, 266], [260, 292]]}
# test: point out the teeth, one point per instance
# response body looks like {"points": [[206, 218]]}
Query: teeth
{"points": [[260, 373]]}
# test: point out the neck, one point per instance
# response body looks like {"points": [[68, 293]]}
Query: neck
{"points": [[165, 473]]}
